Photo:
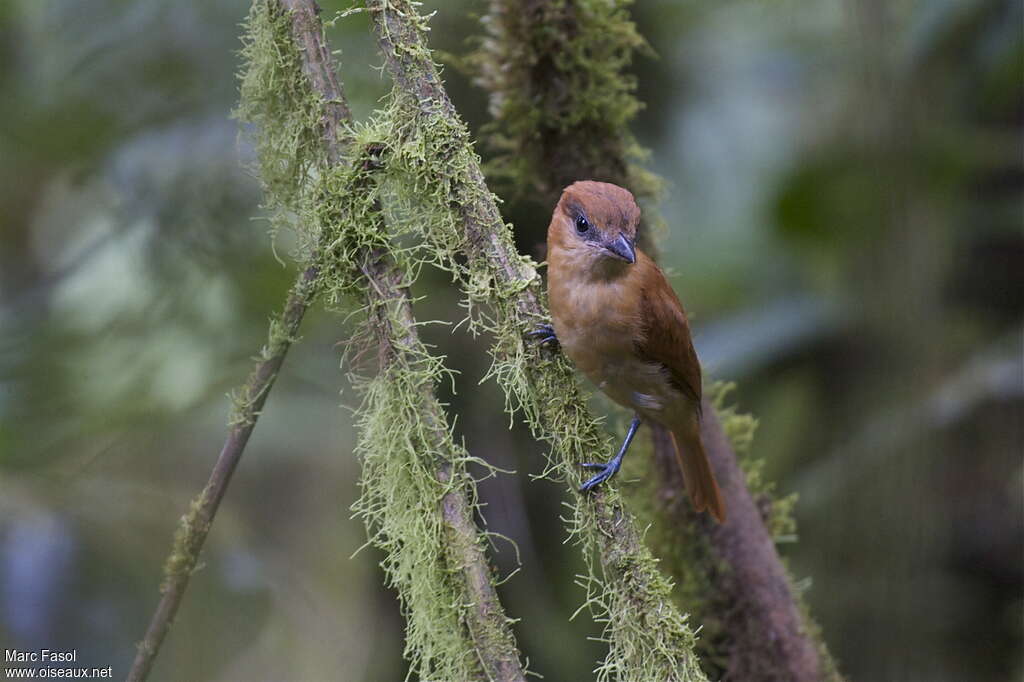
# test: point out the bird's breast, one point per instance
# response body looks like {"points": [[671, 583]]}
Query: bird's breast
{"points": [[597, 326], [593, 324]]}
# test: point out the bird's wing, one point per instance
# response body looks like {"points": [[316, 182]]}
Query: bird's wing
{"points": [[666, 338]]}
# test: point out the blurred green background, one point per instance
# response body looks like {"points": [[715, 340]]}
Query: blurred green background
{"points": [[845, 224]]}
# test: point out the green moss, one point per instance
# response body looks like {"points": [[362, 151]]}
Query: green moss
{"points": [[282, 113], [740, 429], [400, 502], [562, 97], [188, 540], [335, 212], [682, 549]]}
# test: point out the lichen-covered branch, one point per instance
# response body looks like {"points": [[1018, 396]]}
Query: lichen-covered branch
{"points": [[436, 491], [431, 155], [417, 499]]}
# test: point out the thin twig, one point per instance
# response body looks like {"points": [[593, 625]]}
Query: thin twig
{"points": [[195, 525]]}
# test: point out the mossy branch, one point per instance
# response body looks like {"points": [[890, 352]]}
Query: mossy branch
{"points": [[458, 218], [460, 550]]}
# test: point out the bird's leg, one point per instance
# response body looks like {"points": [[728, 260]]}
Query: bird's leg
{"points": [[612, 466], [543, 334]]}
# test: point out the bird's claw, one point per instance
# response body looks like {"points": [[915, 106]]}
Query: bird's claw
{"points": [[607, 471], [610, 468], [544, 334]]}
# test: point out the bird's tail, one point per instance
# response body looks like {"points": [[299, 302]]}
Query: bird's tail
{"points": [[697, 474]]}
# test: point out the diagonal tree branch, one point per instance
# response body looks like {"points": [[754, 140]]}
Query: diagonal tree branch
{"points": [[649, 638], [769, 638], [395, 329]]}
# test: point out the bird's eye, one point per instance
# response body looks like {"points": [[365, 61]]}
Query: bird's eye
{"points": [[581, 224]]}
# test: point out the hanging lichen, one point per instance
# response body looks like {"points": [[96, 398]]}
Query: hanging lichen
{"points": [[335, 211]]}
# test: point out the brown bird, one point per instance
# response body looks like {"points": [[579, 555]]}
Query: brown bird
{"points": [[619, 321]]}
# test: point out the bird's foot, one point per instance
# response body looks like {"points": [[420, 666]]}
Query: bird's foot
{"points": [[607, 470], [612, 466], [544, 334]]}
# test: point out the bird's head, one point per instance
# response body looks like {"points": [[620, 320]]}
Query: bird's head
{"points": [[595, 224]]}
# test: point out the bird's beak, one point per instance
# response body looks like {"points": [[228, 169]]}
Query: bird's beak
{"points": [[623, 248]]}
